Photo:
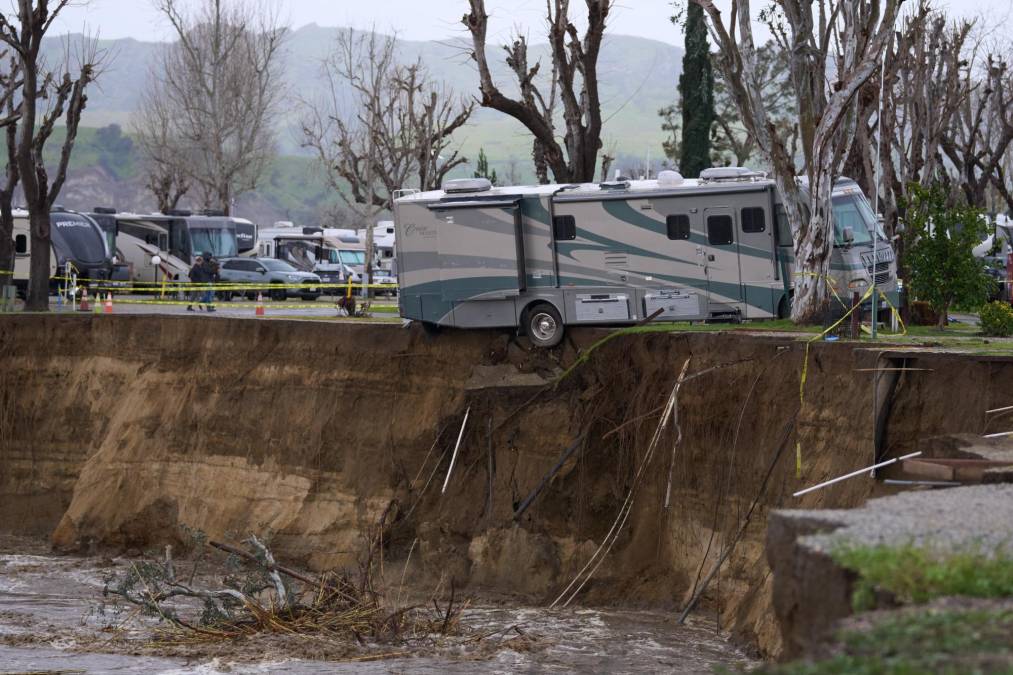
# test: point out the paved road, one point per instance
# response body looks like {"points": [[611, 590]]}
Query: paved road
{"points": [[384, 310]]}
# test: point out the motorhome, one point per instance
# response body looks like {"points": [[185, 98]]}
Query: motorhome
{"points": [[78, 246], [141, 244], [547, 256], [313, 249], [384, 247], [176, 239]]}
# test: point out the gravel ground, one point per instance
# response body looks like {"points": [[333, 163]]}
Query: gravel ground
{"points": [[976, 518], [293, 308]]}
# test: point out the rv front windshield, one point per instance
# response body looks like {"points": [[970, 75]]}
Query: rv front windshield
{"points": [[352, 257], [219, 241], [853, 211]]}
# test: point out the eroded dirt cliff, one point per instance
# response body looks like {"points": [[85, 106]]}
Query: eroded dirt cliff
{"points": [[123, 431]]}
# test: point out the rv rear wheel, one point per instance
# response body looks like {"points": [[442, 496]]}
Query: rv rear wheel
{"points": [[543, 325]]}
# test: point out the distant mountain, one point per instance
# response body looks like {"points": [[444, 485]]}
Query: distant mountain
{"points": [[637, 76]]}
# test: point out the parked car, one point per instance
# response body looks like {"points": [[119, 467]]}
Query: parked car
{"points": [[290, 282]]}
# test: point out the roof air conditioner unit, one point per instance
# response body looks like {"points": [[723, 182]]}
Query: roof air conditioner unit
{"points": [[465, 185], [669, 178]]}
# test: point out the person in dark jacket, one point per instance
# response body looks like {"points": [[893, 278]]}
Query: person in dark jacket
{"points": [[198, 275], [211, 272]]}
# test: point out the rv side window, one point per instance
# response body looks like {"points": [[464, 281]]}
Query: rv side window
{"points": [[753, 220], [719, 230], [678, 226], [21, 244], [564, 227], [783, 229]]}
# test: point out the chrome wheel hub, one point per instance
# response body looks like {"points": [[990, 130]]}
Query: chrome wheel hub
{"points": [[543, 326]]}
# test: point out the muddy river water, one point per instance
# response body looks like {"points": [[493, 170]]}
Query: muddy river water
{"points": [[52, 620]]}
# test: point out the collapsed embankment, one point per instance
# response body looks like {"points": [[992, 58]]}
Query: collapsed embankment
{"points": [[119, 431]]}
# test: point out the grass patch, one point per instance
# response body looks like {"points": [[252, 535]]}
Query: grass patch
{"points": [[334, 319], [915, 575], [949, 641]]}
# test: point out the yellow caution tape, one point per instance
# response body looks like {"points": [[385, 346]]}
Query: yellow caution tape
{"points": [[805, 362]]}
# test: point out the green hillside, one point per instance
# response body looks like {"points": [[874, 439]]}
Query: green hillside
{"points": [[637, 77]]}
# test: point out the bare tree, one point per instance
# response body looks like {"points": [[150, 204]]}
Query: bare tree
{"points": [[221, 75], [834, 49], [10, 85], [46, 96], [925, 86], [168, 175], [731, 141], [574, 80], [982, 132], [393, 131]]}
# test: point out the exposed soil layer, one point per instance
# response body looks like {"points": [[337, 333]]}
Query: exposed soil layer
{"points": [[118, 432]]}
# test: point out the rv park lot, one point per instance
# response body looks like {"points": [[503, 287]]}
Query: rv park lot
{"points": [[962, 334]]}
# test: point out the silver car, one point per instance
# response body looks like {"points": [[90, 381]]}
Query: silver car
{"points": [[275, 278]]}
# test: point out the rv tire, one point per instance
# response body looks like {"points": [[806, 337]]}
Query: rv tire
{"points": [[430, 328], [543, 325], [784, 307]]}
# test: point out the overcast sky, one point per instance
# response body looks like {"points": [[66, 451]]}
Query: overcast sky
{"points": [[439, 19]]}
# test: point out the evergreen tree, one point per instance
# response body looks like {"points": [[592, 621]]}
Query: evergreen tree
{"points": [[696, 92], [482, 170]]}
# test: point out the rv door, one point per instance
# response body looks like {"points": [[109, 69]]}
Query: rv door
{"points": [[722, 256], [481, 252]]}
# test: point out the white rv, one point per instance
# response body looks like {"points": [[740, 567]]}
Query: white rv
{"points": [[384, 248], [312, 249], [176, 239], [546, 256], [77, 245]]}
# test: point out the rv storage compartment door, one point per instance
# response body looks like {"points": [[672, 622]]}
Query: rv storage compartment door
{"points": [[481, 253], [678, 305], [604, 307]]}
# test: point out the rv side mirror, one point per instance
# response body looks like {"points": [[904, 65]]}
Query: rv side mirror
{"points": [[261, 270], [848, 235]]}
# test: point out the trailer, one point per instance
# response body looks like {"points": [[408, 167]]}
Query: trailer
{"points": [[77, 246], [544, 257]]}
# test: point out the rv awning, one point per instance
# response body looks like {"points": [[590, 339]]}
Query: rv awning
{"points": [[475, 204]]}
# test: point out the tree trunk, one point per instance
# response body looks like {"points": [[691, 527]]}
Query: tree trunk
{"points": [[943, 317], [813, 246], [6, 243], [42, 250]]}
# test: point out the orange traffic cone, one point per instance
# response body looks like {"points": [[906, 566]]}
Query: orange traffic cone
{"points": [[260, 305], [84, 306], [109, 303]]}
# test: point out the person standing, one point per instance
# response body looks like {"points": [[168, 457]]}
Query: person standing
{"points": [[211, 272], [198, 275]]}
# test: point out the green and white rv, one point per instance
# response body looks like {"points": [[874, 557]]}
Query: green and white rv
{"points": [[542, 257]]}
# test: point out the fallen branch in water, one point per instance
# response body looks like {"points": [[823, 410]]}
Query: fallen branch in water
{"points": [[248, 596]]}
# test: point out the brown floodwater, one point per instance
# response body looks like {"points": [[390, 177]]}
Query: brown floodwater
{"points": [[52, 618]]}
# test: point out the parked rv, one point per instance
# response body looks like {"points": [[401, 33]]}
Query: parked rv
{"points": [[175, 239], [312, 249], [384, 247], [77, 245], [547, 256]]}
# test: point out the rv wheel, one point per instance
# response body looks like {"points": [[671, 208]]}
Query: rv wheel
{"points": [[543, 326], [784, 308]]}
